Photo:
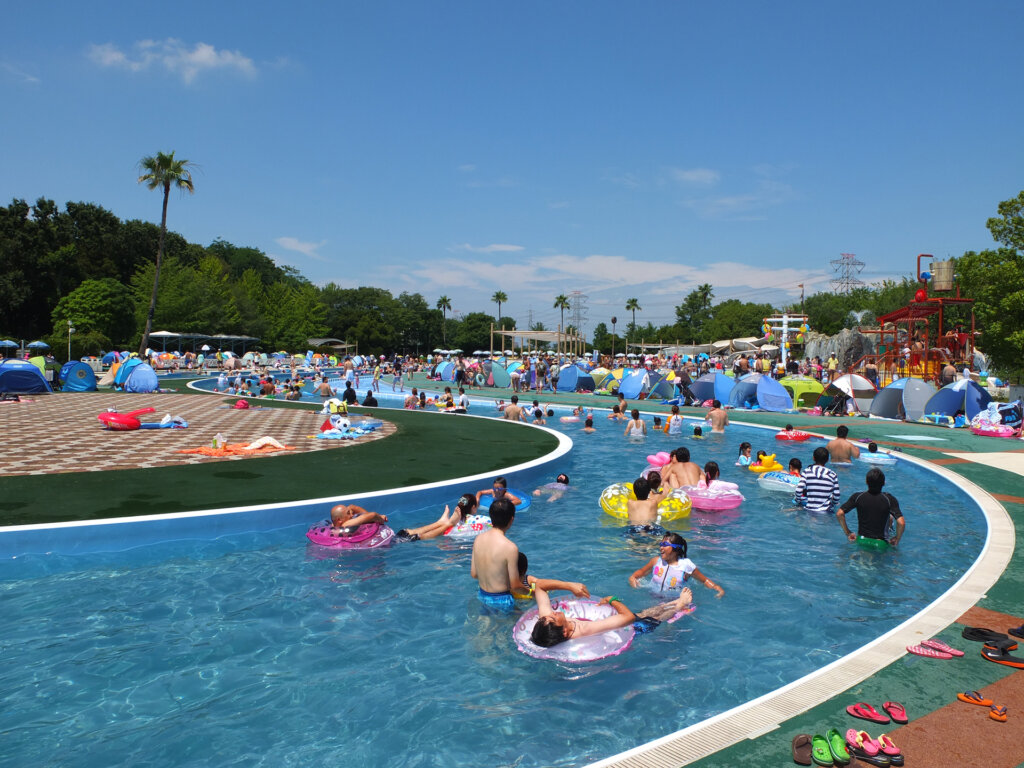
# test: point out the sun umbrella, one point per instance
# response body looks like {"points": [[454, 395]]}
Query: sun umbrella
{"points": [[205, 348], [439, 351], [38, 345]]}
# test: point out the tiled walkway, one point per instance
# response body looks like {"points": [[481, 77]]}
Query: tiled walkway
{"points": [[60, 433]]}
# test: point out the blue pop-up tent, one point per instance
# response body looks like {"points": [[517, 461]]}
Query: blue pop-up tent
{"points": [[755, 390], [76, 376], [136, 376], [962, 395], [903, 399], [572, 378], [634, 383], [713, 386], [22, 377]]}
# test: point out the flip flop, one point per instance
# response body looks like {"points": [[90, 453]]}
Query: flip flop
{"points": [[997, 713], [981, 634], [802, 749], [819, 751], [938, 645], [866, 712], [837, 746], [973, 697], [890, 750], [1017, 631], [1007, 644], [929, 653], [896, 711], [1000, 656], [861, 741]]}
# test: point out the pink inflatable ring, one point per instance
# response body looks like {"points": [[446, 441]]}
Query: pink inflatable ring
{"points": [[369, 536], [994, 430]]}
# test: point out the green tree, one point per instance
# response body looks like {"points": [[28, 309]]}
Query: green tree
{"points": [[1009, 229], [632, 305], [733, 319], [445, 305], [561, 304], [694, 313], [474, 331], [162, 171], [499, 298], [104, 306]]}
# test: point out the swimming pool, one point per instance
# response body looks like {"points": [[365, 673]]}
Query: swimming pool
{"points": [[275, 651]]}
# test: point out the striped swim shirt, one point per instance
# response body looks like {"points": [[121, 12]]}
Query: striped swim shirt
{"points": [[818, 489]]}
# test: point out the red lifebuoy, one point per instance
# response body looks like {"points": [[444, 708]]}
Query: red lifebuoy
{"points": [[793, 435]]}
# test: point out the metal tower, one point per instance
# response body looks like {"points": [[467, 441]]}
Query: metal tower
{"points": [[847, 266], [578, 311]]}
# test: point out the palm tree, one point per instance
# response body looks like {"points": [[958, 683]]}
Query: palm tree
{"points": [[706, 294], [499, 298], [632, 305], [444, 304], [162, 171], [562, 304]]}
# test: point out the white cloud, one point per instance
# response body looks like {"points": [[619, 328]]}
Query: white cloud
{"points": [[492, 248], [748, 206], [174, 56], [703, 176], [17, 74], [308, 249]]}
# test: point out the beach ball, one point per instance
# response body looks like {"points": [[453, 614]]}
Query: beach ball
{"points": [[799, 338]]}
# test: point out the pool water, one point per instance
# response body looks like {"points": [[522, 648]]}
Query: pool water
{"points": [[263, 650]]}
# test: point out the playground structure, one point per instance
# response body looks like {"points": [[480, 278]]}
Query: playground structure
{"points": [[791, 330], [915, 340]]}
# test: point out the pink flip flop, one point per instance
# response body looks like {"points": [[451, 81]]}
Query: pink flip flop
{"points": [[938, 645], [930, 653], [896, 711], [866, 712]]}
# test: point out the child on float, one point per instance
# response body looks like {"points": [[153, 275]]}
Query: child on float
{"points": [[674, 423], [448, 520], [671, 568], [499, 490], [795, 466], [712, 479], [744, 460], [759, 461], [554, 627], [346, 518]]}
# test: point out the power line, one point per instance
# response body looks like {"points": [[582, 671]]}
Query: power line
{"points": [[847, 265]]}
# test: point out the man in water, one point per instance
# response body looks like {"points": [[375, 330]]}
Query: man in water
{"points": [[818, 489], [680, 470], [643, 510], [718, 417], [840, 449], [513, 411], [875, 511]]}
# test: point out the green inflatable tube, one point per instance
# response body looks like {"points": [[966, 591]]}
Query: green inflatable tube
{"points": [[874, 545]]}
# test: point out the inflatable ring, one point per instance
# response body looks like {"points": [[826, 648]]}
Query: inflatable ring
{"points": [[586, 649], [768, 464], [872, 545], [882, 459], [778, 481], [713, 501], [522, 506], [659, 459], [994, 430], [369, 536], [480, 380], [470, 527], [568, 419], [794, 435], [614, 498]]}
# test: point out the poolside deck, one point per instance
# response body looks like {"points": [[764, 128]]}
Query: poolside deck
{"points": [[942, 731]]}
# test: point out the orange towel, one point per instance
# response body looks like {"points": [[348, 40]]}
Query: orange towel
{"points": [[235, 449]]}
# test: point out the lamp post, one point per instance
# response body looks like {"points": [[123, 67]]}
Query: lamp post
{"points": [[614, 320], [71, 329]]}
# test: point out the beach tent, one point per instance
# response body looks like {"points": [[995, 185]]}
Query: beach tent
{"points": [[446, 371], [572, 378], [962, 395], [500, 375], [903, 399], [635, 383], [662, 387], [599, 375], [135, 376], [111, 357], [76, 376], [756, 390], [804, 390], [713, 386], [859, 390], [22, 377]]}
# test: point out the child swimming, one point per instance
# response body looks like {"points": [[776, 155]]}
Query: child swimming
{"points": [[744, 460], [674, 423], [671, 568], [698, 433], [795, 465]]}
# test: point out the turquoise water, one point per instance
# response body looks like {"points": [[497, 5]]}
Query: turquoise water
{"points": [[260, 649]]}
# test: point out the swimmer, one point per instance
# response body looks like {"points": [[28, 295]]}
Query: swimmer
{"points": [[554, 627], [657, 422], [346, 518], [872, 447], [840, 448], [464, 507], [499, 490], [759, 461], [672, 568], [674, 423], [538, 416], [712, 478], [412, 401], [615, 415], [795, 466], [588, 425], [636, 427], [718, 417], [643, 510], [513, 411], [555, 490], [680, 470], [744, 460], [698, 433]]}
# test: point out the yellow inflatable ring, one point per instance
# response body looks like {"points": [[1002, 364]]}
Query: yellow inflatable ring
{"points": [[614, 498], [768, 464]]}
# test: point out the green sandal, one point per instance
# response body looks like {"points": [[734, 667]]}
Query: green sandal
{"points": [[837, 746], [819, 751]]}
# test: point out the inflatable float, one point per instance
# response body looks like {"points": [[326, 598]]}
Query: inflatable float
{"points": [[123, 422], [470, 527], [994, 430], [778, 481], [881, 459], [793, 435], [522, 506], [368, 536], [586, 649], [719, 496], [615, 497], [768, 464]]}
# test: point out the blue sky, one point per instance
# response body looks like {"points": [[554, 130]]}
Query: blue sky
{"points": [[620, 150]]}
